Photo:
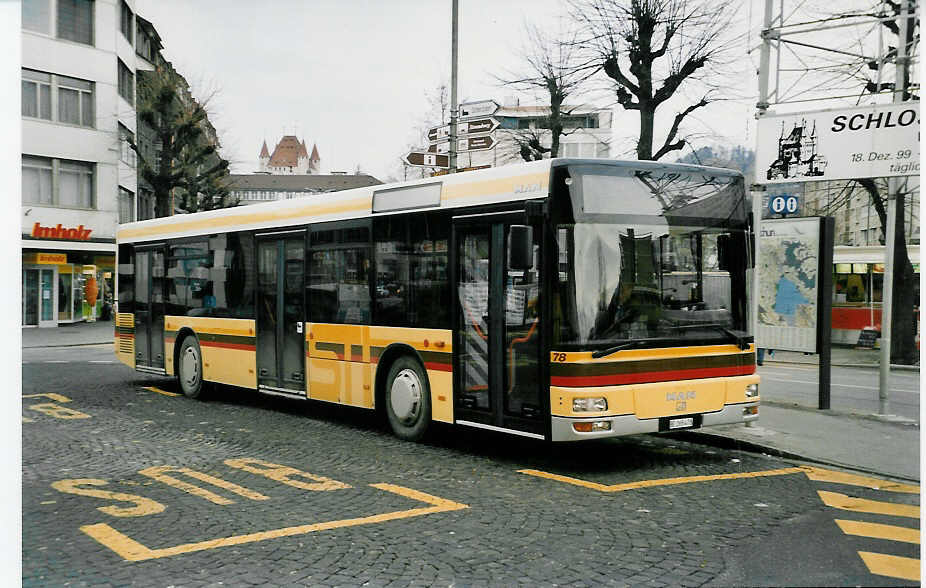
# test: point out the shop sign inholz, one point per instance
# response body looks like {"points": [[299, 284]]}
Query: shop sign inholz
{"points": [[46, 258]]}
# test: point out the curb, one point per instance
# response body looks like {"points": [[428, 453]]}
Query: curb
{"points": [[724, 442]]}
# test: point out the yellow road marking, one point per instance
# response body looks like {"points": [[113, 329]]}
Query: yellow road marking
{"points": [[892, 566], [822, 475], [879, 531], [661, 482], [159, 473], [58, 411], [283, 474], [159, 391], [841, 501], [132, 550], [143, 506], [50, 396]]}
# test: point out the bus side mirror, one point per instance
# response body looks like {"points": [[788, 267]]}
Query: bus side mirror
{"points": [[521, 247]]}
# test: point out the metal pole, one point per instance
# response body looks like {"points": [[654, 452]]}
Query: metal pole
{"points": [[887, 293], [454, 107], [764, 57]]}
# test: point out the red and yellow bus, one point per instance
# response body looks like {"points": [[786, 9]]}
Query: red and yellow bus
{"points": [[563, 300]]}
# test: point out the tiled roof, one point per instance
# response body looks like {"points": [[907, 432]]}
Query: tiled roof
{"points": [[263, 150], [315, 156], [299, 183], [286, 153], [302, 150]]}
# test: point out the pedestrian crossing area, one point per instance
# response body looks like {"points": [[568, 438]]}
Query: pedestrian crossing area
{"points": [[889, 519]]}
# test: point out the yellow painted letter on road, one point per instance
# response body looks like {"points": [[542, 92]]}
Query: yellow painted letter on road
{"points": [[143, 506], [284, 474], [50, 396], [58, 411], [159, 473]]}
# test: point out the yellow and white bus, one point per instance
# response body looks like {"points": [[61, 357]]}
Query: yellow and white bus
{"points": [[563, 300]]}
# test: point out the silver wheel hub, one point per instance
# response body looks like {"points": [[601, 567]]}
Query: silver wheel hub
{"points": [[189, 367], [405, 396]]}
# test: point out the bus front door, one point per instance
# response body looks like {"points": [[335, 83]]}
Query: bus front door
{"points": [[149, 309], [281, 313], [497, 380]]}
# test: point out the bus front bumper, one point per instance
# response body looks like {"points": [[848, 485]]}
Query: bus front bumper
{"points": [[563, 430]]}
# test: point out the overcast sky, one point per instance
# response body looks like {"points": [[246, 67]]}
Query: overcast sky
{"points": [[352, 76]]}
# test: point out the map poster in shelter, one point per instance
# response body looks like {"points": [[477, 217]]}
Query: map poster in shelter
{"points": [[789, 264]]}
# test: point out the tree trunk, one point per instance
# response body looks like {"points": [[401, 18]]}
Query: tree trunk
{"points": [[645, 144], [903, 300]]}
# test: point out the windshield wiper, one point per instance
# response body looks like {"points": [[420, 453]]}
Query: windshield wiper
{"points": [[739, 339], [603, 352]]}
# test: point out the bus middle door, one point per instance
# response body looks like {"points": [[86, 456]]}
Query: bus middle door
{"points": [[281, 313], [497, 382]]}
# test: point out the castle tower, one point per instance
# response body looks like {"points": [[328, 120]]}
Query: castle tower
{"points": [[314, 160], [289, 157], [264, 157]]}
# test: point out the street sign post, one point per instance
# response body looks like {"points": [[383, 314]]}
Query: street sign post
{"points": [[473, 127], [477, 109], [421, 159]]}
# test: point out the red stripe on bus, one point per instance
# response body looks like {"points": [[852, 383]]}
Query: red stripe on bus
{"points": [[647, 377], [242, 346], [438, 367]]}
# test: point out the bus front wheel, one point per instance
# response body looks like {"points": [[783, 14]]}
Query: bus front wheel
{"points": [[190, 368], [408, 399]]}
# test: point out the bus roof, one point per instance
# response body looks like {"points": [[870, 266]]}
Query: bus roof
{"points": [[508, 183]]}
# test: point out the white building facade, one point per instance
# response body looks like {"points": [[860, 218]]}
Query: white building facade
{"points": [[79, 179]]}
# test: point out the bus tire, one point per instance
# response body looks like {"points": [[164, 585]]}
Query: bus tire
{"points": [[408, 399], [190, 368]]}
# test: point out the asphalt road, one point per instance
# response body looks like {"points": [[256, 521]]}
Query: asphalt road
{"points": [[127, 483], [851, 389]]}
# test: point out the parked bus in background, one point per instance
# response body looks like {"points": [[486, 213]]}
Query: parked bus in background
{"points": [[858, 280], [563, 299]]}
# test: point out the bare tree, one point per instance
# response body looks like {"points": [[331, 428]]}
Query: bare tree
{"points": [[554, 69], [652, 51]]}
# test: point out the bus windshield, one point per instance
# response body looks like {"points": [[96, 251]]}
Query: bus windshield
{"points": [[651, 257]]}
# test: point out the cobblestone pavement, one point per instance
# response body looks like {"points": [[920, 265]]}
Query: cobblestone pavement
{"points": [[126, 485]]}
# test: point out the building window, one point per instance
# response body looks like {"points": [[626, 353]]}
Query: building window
{"points": [[58, 182], [126, 206], [75, 184], [75, 101], [126, 82], [126, 138], [37, 173], [145, 204], [73, 98], [126, 22], [75, 21], [36, 96], [36, 15]]}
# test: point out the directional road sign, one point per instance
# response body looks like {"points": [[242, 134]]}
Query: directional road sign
{"points": [[473, 127], [477, 109], [479, 143], [421, 159]]}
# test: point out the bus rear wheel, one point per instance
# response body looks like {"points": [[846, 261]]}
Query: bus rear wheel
{"points": [[408, 399], [190, 368]]}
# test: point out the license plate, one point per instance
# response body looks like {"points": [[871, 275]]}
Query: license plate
{"points": [[681, 423]]}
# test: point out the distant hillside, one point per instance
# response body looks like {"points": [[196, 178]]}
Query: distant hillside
{"points": [[736, 157]]}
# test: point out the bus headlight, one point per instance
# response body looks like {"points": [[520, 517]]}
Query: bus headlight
{"points": [[595, 404], [752, 390]]}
